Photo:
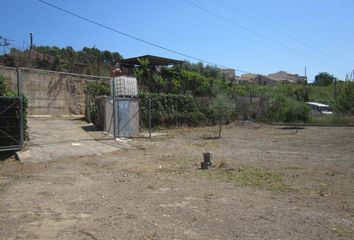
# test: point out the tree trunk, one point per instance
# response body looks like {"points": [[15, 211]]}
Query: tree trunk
{"points": [[220, 126]]}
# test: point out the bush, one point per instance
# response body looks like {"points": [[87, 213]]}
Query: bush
{"points": [[285, 109], [169, 110], [7, 92], [94, 89], [345, 100], [333, 119], [4, 89], [97, 89]]}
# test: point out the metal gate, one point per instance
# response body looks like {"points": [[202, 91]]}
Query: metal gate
{"points": [[119, 118], [128, 117], [11, 123]]}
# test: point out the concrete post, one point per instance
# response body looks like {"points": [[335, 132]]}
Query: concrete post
{"points": [[21, 127]]}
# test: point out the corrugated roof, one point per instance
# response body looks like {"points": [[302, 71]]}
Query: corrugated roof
{"points": [[153, 60]]}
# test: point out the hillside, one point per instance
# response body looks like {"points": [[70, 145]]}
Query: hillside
{"points": [[91, 61]]}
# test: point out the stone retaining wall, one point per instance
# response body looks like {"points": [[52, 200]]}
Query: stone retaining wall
{"points": [[50, 93]]}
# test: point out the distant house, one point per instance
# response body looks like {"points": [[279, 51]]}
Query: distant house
{"points": [[228, 74], [287, 77], [270, 79], [242, 80], [255, 78], [263, 80]]}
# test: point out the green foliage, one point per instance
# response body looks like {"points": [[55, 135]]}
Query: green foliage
{"points": [[324, 79], [94, 89], [97, 88], [322, 94], [169, 110], [4, 89], [7, 92], [143, 72], [250, 177], [185, 81], [303, 93], [90, 61], [222, 107], [25, 113], [285, 109], [203, 70], [345, 100], [296, 111], [148, 78], [332, 119]]}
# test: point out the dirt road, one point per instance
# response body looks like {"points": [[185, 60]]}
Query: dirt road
{"points": [[267, 183]]}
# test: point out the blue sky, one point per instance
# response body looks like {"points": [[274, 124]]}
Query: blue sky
{"points": [[255, 36]]}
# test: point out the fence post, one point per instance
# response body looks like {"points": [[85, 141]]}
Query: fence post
{"points": [[114, 109], [87, 107], [150, 118], [18, 71]]}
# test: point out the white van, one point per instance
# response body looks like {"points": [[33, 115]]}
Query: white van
{"points": [[319, 108]]}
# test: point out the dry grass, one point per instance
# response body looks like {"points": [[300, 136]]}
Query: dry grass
{"points": [[248, 176], [343, 231]]}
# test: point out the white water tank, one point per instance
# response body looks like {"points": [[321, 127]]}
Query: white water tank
{"points": [[124, 86]]}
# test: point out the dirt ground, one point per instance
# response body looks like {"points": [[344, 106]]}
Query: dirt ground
{"points": [[155, 190]]}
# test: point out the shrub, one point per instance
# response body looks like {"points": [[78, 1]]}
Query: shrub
{"points": [[7, 92], [94, 89], [285, 109], [345, 100], [4, 89], [169, 110]]}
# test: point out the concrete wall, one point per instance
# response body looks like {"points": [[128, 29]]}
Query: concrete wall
{"points": [[50, 93]]}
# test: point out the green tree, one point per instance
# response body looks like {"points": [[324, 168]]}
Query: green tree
{"points": [[4, 89], [143, 73], [345, 100], [286, 109], [86, 61], [324, 79], [4, 42], [222, 107]]}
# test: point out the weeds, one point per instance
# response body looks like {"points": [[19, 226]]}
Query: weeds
{"points": [[343, 231], [333, 119], [249, 176]]}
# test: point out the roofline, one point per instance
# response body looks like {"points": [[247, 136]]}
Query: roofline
{"points": [[164, 61]]}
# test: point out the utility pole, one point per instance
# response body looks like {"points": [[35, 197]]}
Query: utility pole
{"points": [[335, 90], [306, 74], [31, 41]]}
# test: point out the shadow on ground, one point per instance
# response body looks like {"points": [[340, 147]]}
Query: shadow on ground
{"points": [[6, 155]]}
